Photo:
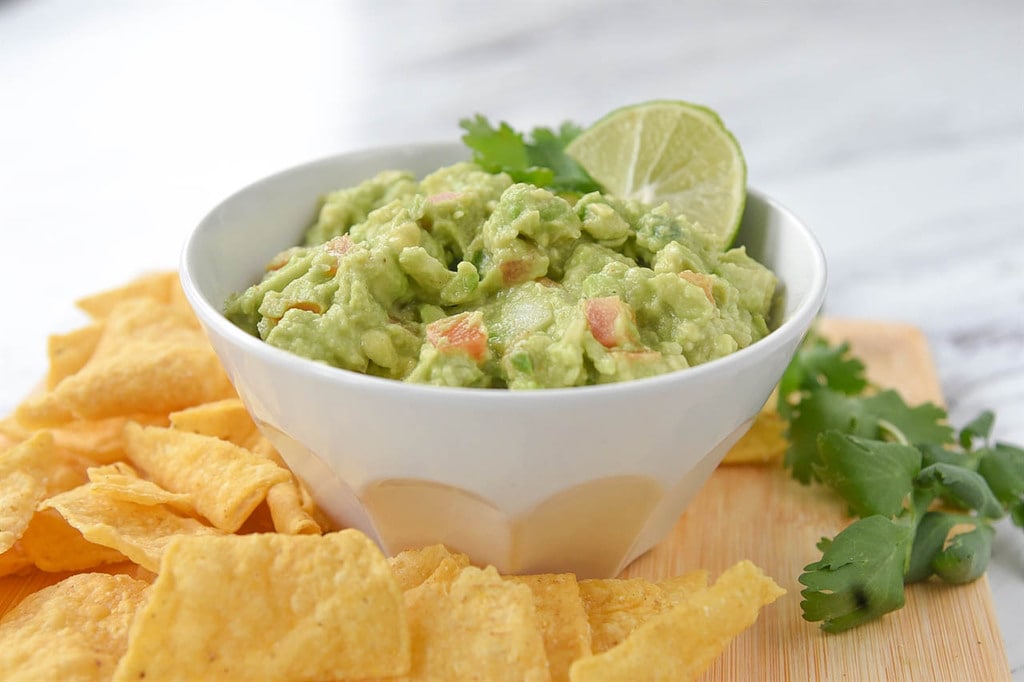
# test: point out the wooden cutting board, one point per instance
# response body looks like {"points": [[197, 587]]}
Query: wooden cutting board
{"points": [[760, 513]]}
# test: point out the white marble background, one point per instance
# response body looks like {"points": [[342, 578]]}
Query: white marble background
{"points": [[896, 130]]}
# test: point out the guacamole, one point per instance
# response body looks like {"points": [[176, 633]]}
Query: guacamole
{"points": [[465, 278]]}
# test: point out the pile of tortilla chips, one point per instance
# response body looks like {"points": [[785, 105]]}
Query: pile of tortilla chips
{"points": [[180, 546]]}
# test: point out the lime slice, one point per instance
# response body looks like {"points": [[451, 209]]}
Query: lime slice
{"points": [[668, 151]]}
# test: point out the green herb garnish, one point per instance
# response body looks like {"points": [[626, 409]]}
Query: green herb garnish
{"points": [[925, 496], [540, 161]]}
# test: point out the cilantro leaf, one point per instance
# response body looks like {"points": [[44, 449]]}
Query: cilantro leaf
{"points": [[965, 488], [1017, 514], [1002, 466], [819, 364], [874, 477], [495, 149], [979, 427], [540, 161], [548, 151], [957, 557], [965, 556], [921, 424], [859, 576], [890, 461], [931, 454], [819, 410]]}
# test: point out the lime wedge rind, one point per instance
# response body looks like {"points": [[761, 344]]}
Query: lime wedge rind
{"points": [[669, 151]]}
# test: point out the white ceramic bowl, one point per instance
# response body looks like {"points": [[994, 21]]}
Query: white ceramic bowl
{"points": [[581, 479]]}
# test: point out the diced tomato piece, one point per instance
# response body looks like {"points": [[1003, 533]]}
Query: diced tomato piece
{"points": [[339, 246], [701, 280], [460, 333], [610, 319], [515, 271]]}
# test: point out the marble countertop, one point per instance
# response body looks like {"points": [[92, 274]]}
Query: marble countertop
{"points": [[896, 130]]}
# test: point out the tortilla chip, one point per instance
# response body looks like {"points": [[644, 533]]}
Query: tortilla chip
{"points": [[765, 442], [119, 481], [225, 419], [69, 352], [177, 300], [226, 482], [448, 570], [140, 532], [286, 509], [15, 561], [74, 630], [413, 567], [53, 545], [259, 444], [158, 286], [681, 643], [616, 607], [479, 627], [561, 618], [13, 432], [24, 483], [148, 360], [260, 606], [42, 411], [100, 440], [229, 420], [260, 521]]}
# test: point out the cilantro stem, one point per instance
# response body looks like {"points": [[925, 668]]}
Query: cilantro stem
{"points": [[894, 431]]}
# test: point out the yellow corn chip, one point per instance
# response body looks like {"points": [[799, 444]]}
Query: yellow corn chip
{"points": [[681, 587], [286, 509], [15, 561], [140, 532], [119, 481], [226, 482], [290, 502], [260, 521], [42, 411], [679, 644], [225, 419], [765, 441], [74, 630], [414, 566], [259, 444], [148, 360], [561, 619], [158, 286], [24, 483], [448, 570], [270, 607], [100, 440], [53, 545], [176, 300], [616, 607], [479, 627], [229, 420], [69, 352], [12, 432]]}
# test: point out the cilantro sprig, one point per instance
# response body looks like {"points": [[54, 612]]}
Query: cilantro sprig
{"points": [[540, 160], [924, 495]]}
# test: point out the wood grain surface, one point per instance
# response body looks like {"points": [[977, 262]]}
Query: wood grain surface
{"points": [[760, 513]]}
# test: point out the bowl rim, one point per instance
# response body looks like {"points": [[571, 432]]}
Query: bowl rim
{"points": [[214, 321]]}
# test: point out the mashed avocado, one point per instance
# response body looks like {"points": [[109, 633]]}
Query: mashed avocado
{"points": [[468, 279]]}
